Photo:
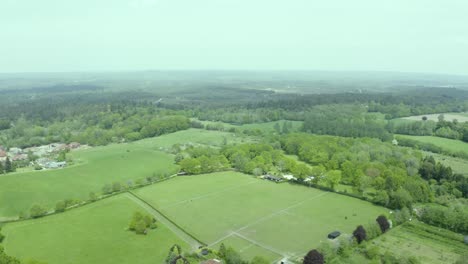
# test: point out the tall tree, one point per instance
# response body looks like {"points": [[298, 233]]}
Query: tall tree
{"points": [[383, 223], [313, 257], [360, 234], [8, 165]]}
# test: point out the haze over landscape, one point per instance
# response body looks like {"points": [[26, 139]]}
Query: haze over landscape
{"points": [[132, 35]]}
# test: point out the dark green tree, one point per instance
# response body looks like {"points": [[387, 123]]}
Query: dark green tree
{"points": [[313, 257], [360, 234], [383, 223]]}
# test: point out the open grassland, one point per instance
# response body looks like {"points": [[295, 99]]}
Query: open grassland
{"points": [[95, 233], [430, 244], [96, 167], [450, 145], [283, 219], [461, 117], [191, 136], [265, 127], [458, 165]]}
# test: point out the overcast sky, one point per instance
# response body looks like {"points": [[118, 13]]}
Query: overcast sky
{"points": [[120, 35]]}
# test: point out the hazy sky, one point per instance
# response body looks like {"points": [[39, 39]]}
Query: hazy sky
{"points": [[115, 35]]}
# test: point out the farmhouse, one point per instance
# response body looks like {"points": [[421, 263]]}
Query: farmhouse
{"points": [[334, 234], [272, 178]]}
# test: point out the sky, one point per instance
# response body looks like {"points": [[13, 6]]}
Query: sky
{"points": [[428, 36]]}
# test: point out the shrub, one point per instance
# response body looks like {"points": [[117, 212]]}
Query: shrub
{"points": [[37, 211], [360, 234], [383, 223]]}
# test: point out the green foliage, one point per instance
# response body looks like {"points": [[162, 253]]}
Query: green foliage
{"points": [[141, 222], [60, 206], [37, 211], [259, 260]]}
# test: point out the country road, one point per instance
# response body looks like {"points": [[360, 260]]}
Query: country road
{"points": [[194, 244]]}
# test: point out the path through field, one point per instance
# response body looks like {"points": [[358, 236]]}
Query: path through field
{"points": [[194, 244]]}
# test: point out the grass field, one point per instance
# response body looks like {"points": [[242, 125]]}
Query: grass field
{"points": [[96, 167], [266, 126], [94, 233], [451, 145], [262, 217], [458, 165], [430, 244], [461, 117]]}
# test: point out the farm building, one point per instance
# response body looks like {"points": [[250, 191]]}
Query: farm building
{"points": [[55, 164], [20, 157], [74, 145], [212, 261], [3, 155], [334, 234], [289, 177], [272, 178]]}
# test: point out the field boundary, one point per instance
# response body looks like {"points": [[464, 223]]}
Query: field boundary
{"points": [[179, 230]]}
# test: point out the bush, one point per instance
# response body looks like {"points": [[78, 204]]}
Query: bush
{"points": [[383, 223], [37, 211], [60, 206], [140, 223], [360, 234]]}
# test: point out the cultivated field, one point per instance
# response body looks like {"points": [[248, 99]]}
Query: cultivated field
{"points": [[94, 233], [256, 216], [451, 145], [461, 117], [430, 244]]}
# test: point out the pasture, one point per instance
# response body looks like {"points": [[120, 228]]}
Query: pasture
{"points": [[254, 215], [95, 233], [461, 117], [458, 165], [430, 244], [450, 145], [96, 167]]}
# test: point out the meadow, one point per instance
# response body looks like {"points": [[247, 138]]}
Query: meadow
{"points": [[461, 117], [430, 244], [96, 167], [254, 215], [450, 145], [95, 233], [458, 165]]}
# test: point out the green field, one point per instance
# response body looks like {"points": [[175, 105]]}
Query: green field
{"points": [[96, 167], [458, 165], [451, 145], [461, 117], [265, 127], [94, 233], [281, 219], [430, 244]]}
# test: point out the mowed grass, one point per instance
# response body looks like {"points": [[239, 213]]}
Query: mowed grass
{"points": [[281, 218], [96, 167], [423, 241], [451, 145], [94, 233], [191, 136], [265, 127], [461, 117]]}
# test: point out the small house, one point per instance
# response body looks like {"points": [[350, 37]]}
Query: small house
{"points": [[334, 234]]}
